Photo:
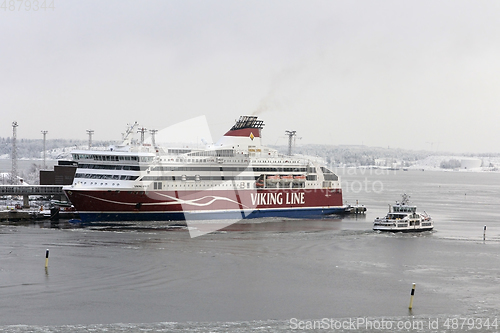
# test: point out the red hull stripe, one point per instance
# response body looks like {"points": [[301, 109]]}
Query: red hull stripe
{"points": [[198, 201]]}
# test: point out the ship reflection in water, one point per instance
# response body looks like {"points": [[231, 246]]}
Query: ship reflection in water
{"points": [[331, 222]]}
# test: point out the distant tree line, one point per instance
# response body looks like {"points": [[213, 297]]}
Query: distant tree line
{"points": [[357, 155]]}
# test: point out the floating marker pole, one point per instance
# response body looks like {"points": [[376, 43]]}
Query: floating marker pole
{"points": [[411, 298], [484, 233], [47, 258]]}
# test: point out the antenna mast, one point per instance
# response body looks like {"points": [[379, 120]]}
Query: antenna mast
{"points": [[142, 130]]}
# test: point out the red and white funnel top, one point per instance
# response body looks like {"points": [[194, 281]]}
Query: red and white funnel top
{"points": [[246, 131]]}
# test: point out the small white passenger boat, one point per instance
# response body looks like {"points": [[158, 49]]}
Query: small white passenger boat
{"points": [[403, 217]]}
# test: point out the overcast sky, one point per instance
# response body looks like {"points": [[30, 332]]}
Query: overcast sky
{"points": [[408, 74]]}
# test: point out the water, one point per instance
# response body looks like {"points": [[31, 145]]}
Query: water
{"points": [[270, 275]]}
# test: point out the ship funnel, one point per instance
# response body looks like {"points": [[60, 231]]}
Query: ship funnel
{"points": [[246, 131]]}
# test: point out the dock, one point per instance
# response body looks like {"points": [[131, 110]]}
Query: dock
{"points": [[27, 190], [356, 209]]}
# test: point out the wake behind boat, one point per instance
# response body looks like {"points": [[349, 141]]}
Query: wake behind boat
{"points": [[404, 218], [237, 177]]}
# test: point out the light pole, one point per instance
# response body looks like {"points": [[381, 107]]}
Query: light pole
{"points": [[142, 130], [44, 135], [153, 133], [90, 132], [13, 175], [291, 134]]}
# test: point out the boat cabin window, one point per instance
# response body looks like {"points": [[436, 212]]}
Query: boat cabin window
{"points": [[328, 174], [404, 209], [326, 170], [225, 152], [178, 151], [99, 176], [396, 216], [96, 157]]}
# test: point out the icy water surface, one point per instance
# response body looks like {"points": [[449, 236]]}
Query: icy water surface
{"points": [[269, 275]]}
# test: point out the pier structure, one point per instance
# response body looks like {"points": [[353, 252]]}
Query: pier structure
{"points": [[26, 190]]}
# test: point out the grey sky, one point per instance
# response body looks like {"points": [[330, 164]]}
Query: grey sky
{"points": [[408, 74]]}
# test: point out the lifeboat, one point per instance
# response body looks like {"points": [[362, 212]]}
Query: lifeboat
{"points": [[273, 179], [299, 178], [287, 179]]}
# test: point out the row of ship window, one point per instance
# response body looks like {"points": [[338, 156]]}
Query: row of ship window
{"points": [[237, 169], [220, 153], [184, 177], [199, 178], [113, 167], [98, 157], [94, 176], [159, 185], [110, 158], [174, 178], [149, 159], [194, 168]]}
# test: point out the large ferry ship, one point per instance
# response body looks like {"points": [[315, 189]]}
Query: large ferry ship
{"points": [[237, 177]]}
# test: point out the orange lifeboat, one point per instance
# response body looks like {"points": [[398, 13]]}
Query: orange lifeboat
{"points": [[273, 179], [299, 178]]}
